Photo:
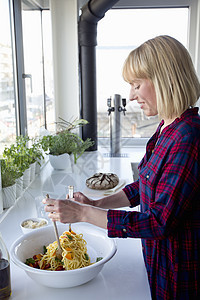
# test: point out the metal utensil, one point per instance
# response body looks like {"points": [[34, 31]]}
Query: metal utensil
{"points": [[59, 249], [71, 194]]}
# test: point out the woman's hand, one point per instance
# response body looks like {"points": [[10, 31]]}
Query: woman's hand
{"points": [[64, 211], [81, 198], [75, 210]]}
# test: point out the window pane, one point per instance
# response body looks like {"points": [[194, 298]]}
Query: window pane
{"points": [[7, 99], [119, 32], [33, 64], [48, 70], [38, 66]]}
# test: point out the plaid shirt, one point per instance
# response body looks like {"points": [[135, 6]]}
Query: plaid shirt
{"points": [[168, 191]]}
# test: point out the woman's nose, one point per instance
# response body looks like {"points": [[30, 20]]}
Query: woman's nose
{"points": [[132, 94]]}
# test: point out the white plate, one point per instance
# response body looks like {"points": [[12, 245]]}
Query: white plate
{"points": [[101, 193]]}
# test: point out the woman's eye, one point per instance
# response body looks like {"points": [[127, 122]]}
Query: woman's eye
{"points": [[137, 87]]}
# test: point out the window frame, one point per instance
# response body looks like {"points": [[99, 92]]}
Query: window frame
{"points": [[17, 44]]}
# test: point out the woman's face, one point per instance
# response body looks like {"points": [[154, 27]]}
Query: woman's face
{"points": [[142, 90]]}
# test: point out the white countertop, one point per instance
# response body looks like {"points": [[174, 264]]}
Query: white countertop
{"points": [[123, 277]]}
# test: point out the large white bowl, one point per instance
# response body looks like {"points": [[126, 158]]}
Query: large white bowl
{"points": [[98, 245]]}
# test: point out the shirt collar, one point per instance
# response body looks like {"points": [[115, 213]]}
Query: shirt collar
{"points": [[192, 111]]}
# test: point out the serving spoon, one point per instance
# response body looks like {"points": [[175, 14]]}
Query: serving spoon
{"points": [[59, 249], [71, 194]]}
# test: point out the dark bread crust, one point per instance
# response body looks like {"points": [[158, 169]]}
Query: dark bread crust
{"points": [[102, 181]]}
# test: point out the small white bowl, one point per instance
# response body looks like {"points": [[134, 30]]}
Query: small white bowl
{"points": [[31, 224], [98, 245]]}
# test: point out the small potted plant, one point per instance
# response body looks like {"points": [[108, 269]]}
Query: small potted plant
{"points": [[65, 143], [35, 154], [11, 154], [24, 157], [9, 174], [20, 155]]}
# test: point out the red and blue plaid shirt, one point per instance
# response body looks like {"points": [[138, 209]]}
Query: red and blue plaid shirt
{"points": [[168, 191]]}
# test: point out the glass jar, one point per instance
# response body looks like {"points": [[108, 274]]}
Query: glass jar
{"points": [[5, 286]]}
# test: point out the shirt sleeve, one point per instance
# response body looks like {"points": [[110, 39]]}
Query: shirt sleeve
{"points": [[132, 193], [174, 194]]}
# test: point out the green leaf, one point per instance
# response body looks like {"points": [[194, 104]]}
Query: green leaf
{"points": [[69, 237], [44, 249], [99, 258], [29, 261], [86, 256]]}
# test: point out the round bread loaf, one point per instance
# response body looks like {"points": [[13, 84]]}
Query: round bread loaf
{"points": [[102, 181]]}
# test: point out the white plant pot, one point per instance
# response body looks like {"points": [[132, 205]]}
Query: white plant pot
{"points": [[40, 163], [32, 171], [26, 177], [60, 162], [19, 186], [9, 196]]}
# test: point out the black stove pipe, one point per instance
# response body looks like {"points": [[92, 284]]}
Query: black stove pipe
{"points": [[92, 12]]}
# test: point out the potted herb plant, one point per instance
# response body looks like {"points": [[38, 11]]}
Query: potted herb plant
{"points": [[35, 155], [9, 174], [37, 152], [65, 143], [18, 153], [24, 159]]}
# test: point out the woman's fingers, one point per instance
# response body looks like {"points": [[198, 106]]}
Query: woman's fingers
{"points": [[48, 201], [65, 211]]}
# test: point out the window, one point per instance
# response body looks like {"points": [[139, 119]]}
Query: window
{"points": [[7, 91], [33, 65], [48, 71], [38, 70], [119, 32], [34, 71]]}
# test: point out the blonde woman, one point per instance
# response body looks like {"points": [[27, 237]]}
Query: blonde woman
{"points": [[163, 81]]}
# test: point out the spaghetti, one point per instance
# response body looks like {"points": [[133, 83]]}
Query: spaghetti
{"points": [[74, 254]]}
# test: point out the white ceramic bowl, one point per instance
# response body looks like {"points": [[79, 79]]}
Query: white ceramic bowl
{"points": [[98, 245], [28, 229]]}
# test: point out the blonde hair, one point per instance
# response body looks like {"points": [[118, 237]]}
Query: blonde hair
{"points": [[168, 65]]}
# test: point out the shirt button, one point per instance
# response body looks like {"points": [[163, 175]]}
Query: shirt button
{"points": [[147, 176], [124, 230]]}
